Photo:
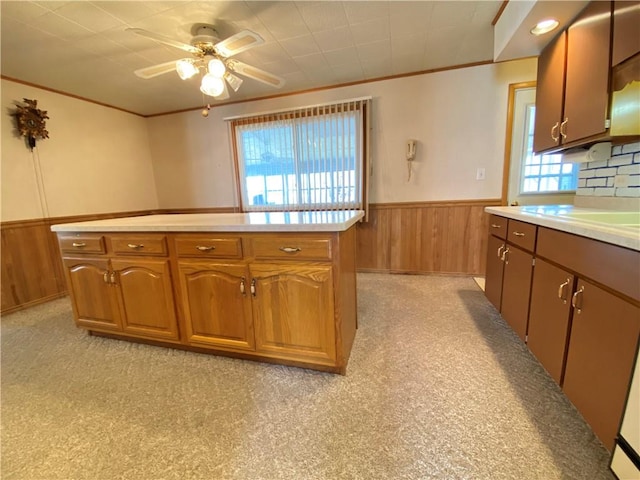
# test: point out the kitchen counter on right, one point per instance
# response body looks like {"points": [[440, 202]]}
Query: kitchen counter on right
{"points": [[620, 228]]}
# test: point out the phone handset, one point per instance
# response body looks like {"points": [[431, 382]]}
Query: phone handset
{"points": [[411, 154]]}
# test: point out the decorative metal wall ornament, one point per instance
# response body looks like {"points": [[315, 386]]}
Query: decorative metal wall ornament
{"points": [[31, 122]]}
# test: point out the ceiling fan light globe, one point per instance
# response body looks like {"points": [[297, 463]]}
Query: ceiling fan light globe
{"points": [[186, 69], [216, 68], [211, 85]]}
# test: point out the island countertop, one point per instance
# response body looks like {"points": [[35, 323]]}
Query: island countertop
{"points": [[618, 228], [317, 221]]}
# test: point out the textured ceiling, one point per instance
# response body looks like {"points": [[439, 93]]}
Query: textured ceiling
{"points": [[83, 48]]}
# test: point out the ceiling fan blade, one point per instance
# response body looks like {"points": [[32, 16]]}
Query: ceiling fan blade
{"points": [[166, 40], [255, 73], [238, 43], [155, 70]]}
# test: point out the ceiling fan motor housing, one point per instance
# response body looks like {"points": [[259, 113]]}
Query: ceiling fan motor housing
{"points": [[205, 39]]}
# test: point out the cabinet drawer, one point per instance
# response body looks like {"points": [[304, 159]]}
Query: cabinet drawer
{"points": [[82, 243], [204, 246], [522, 234], [139, 245], [498, 226], [291, 247]]}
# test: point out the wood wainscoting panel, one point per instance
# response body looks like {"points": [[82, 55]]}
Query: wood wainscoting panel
{"points": [[426, 237]]}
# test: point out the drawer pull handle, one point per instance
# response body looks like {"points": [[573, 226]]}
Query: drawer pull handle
{"points": [[576, 300], [79, 244], [242, 289], [518, 234], [562, 290], [495, 225], [135, 246], [290, 249], [205, 248], [253, 287]]}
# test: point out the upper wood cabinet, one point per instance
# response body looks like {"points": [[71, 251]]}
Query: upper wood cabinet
{"points": [[626, 31], [572, 95]]}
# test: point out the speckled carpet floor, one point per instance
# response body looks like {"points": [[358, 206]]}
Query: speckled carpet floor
{"points": [[438, 387]]}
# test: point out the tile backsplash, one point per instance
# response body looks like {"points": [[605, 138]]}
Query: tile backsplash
{"points": [[617, 177]]}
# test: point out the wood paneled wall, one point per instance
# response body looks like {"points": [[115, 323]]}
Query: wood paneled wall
{"points": [[426, 237], [431, 237]]}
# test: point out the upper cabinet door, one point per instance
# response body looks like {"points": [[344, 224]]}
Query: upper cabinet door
{"points": [[626, 31], [550, 94], [587, 74]]}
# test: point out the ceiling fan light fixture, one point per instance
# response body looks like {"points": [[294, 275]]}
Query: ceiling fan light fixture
{"points": [[216, 68], [545, 26], [233, 81], [212, 85], [186, 68]]}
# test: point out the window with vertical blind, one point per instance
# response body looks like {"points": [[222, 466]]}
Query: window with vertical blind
{"points": [[312, 158]]}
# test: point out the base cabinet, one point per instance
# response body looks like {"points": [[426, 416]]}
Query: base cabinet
{"points": [[600, 358], [93, 298], [216, 305], [293, 311], [515, 290], [549, 316], [494, 270]]}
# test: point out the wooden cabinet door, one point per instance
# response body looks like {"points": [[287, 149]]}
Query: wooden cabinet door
{"points": [[602, 349], [94, 300], [626, 31], [146, 297], [549, 315], [516, 289], [293, 311], [494, 271], [587, 75], [216, 304], [549, 95]]}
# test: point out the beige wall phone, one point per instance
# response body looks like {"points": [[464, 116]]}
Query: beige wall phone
{"points": [[411, 154]]}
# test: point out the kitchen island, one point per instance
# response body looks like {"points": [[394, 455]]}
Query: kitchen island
{"points": [[278, 287]]}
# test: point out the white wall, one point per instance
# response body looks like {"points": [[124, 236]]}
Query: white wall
{"points": [[96, 160], [457, 116]]}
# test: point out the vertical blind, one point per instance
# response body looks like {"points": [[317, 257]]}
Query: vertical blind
{"points": [[312, 158]]}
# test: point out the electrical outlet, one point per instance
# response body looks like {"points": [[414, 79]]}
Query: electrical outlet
{"points": [[480, 174]]}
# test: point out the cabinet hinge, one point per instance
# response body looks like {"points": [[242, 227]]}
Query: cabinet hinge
{"points": [[526, 339], [607, 123], [533, 262]]}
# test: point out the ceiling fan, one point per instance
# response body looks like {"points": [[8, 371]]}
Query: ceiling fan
{"points": [[212, 58]]}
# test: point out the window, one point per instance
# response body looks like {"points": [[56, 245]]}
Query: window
{"points": [[307, 159], [544, 173]]}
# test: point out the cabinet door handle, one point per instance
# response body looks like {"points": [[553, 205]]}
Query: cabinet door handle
{"points": [[135, 246], [495, 225], [205, 248], [518, 234], [562, 291], [505, 256], [555, 137], [500, 248], [253, 287], [242, 289], [113, 278], [563, 128], [79, 244], [105, 277], [290, 249], [576, 300]]}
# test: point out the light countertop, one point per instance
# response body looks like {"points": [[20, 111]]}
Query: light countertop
{"points": [[618, 228], [320, 221]]}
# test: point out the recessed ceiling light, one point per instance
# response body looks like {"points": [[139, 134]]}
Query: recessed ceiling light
{"points": [[545, 26]]}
